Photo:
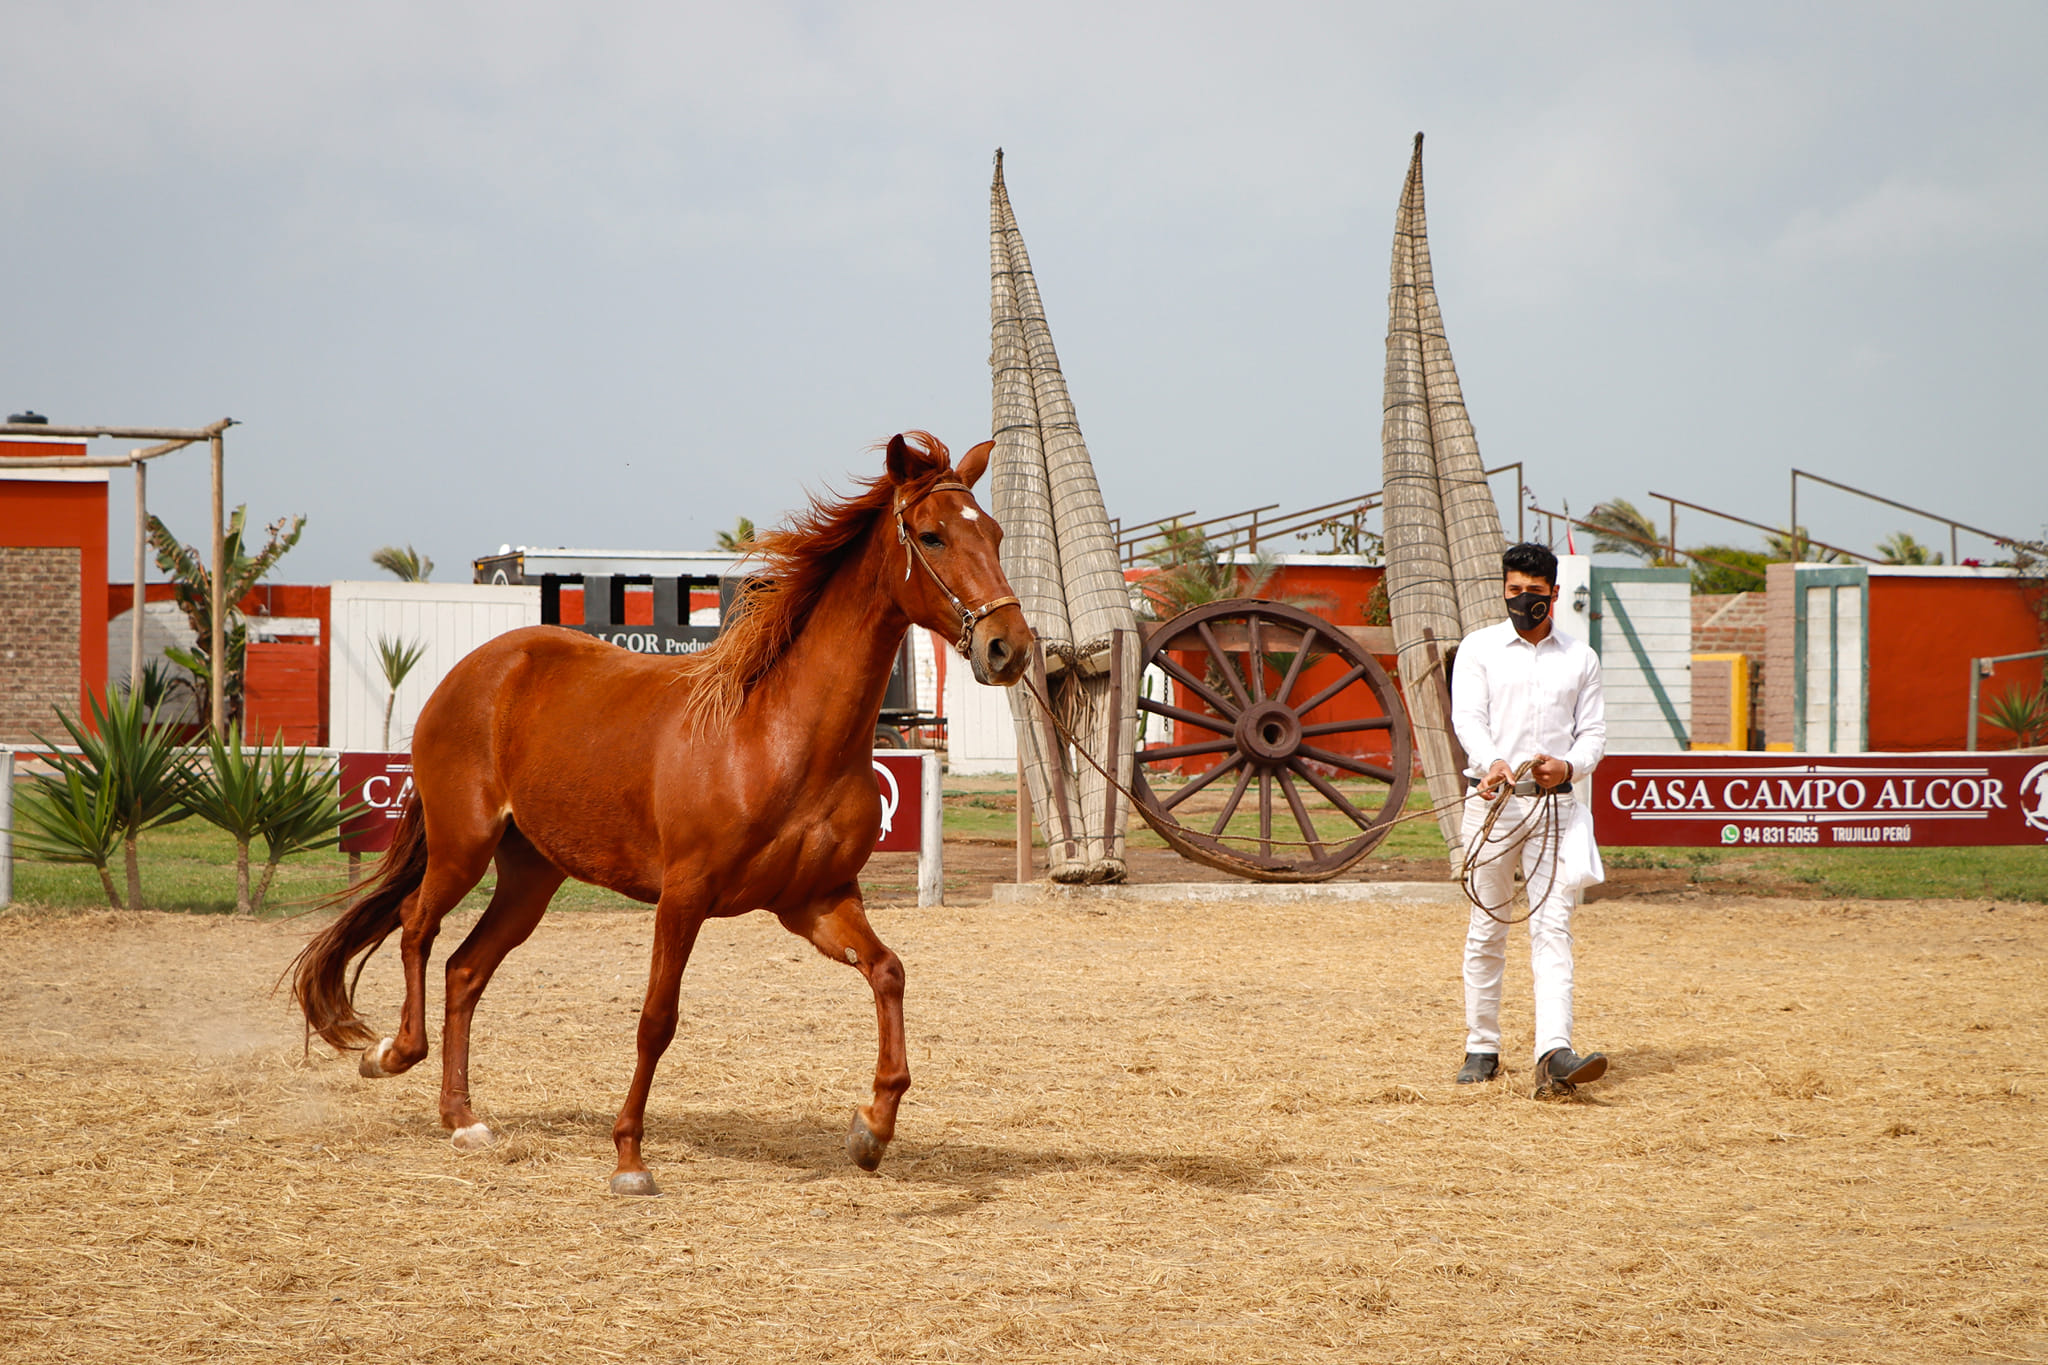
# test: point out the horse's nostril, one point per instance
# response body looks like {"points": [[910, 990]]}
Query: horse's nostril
{"points": [[998, 652]]}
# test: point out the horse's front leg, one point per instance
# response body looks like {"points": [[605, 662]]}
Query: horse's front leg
{"points": [[677, 918], [838, 926]]}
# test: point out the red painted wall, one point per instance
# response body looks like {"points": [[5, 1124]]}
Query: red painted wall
{"points": [[1338, 593], [35, 513], [1924, 630]]}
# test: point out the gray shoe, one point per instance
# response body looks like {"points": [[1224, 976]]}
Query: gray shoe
{"points": [[1479, 1066], [1563, 1071]]}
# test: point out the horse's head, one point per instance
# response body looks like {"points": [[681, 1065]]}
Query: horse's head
{"points": [[943, 570]]}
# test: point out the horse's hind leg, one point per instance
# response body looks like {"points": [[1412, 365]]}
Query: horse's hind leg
{"points": [[839, 929], [526, 883], [454, 866]]}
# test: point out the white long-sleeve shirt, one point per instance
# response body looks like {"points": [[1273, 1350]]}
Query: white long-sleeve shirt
{"points": [[1512, 700]]}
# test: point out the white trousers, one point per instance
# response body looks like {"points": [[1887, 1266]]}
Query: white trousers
{"points": [[1550, 926]]}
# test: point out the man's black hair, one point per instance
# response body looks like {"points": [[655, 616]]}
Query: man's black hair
{"points": [[1532, 559]]}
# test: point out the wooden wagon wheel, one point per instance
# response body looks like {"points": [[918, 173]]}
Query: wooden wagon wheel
{"points": [[1240, 664]]}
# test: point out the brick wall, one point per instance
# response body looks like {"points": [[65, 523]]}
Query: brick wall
{"points": [[1777, 679], [1729, 623], [39, 654]]}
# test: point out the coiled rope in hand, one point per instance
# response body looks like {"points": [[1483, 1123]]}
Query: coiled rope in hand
{"points": [[1540, 820]]}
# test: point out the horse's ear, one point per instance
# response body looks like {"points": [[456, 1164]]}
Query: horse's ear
{"points": [[974, 463], [908, 462]]}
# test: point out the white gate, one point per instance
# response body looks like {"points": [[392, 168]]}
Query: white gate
{"points": [[1830, 660], [450, 619], [1642, 631]]}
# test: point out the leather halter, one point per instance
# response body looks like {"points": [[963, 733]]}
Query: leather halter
{"points": [[969, 618]]}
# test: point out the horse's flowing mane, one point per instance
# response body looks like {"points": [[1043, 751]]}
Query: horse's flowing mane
{"points": [[789, 569]]}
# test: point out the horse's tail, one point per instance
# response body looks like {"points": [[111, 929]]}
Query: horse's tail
{"points": [[319, 971]]}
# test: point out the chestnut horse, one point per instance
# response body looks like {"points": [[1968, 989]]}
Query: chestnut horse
{"points": [[722, 782]]}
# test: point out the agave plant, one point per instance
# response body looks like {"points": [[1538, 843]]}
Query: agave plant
{"points": [[69, 818], [128, 769], [2021, 712]]}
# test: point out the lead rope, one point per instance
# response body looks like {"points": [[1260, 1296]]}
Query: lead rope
{"points": [[1156, 821], [1540, 820]]}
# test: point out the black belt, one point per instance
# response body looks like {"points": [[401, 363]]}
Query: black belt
{"points": [[1526, 787]]}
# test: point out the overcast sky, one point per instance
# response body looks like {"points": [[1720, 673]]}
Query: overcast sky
{"points": [[615, 275]]}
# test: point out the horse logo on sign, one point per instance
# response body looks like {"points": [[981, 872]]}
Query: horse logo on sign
{"points": [[892, 797], [2034, 789]]}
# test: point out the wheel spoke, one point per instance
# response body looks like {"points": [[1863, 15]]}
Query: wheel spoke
{"points": [[1332, 795], [1160, 708], [1345, 727], [1349, 764], [1173, 670], [1294, 668], [1223, 664], [1244, 779], [1255, 662], [1294, 802], [1357, 672], [1265, 813], [1207, 746], [1204, 780]]}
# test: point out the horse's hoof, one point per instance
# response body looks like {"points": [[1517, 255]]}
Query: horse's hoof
{"points": [[372, 1064], [474, 1138], [862, 1145], [634, 1182]]}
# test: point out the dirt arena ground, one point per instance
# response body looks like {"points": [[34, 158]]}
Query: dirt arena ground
{"points": [[1166, 1132]]}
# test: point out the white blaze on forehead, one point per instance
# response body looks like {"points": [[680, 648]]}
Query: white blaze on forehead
{"points": [[970, 514]]}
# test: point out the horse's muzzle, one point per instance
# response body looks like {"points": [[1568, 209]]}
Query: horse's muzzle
{"points": [[999, 654]]}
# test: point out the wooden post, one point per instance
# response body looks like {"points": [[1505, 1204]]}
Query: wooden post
{"points": [[931, 841], [217, 640], [1025, 871], [355, 868], [141, 545]]}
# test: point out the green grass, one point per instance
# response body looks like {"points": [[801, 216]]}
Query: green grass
{"points": [[2005, 873], [190, 867]]}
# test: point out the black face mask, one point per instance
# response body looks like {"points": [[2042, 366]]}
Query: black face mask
{"points": [[1528, 610]]}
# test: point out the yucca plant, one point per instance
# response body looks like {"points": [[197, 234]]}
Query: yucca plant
{"points": [[228, 792], [302, 812], [396, 658], [268, 793], [2021, 712], [130, 762], [68, 818]]}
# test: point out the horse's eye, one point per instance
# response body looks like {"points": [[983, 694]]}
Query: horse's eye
{"points": [[931, 540]]}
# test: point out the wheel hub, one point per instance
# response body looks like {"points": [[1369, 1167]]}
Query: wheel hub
{"points": [[1268, 732]]}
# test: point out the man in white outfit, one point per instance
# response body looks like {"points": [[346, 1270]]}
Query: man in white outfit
{"points": [[1524, 690]]}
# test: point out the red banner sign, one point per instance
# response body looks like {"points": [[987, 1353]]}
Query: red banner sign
{"points": [[1821, 800], [381, 784]]}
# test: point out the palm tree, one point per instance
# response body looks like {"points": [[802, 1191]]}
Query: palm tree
{"points": [[738, 538], [1780, 547], [1620, 529], [192, 582], [396, 659], [1901, 548], [407, 565]]}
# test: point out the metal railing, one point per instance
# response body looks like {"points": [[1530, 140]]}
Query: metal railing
{"points": [[1245, 530], [1980, 669]]}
